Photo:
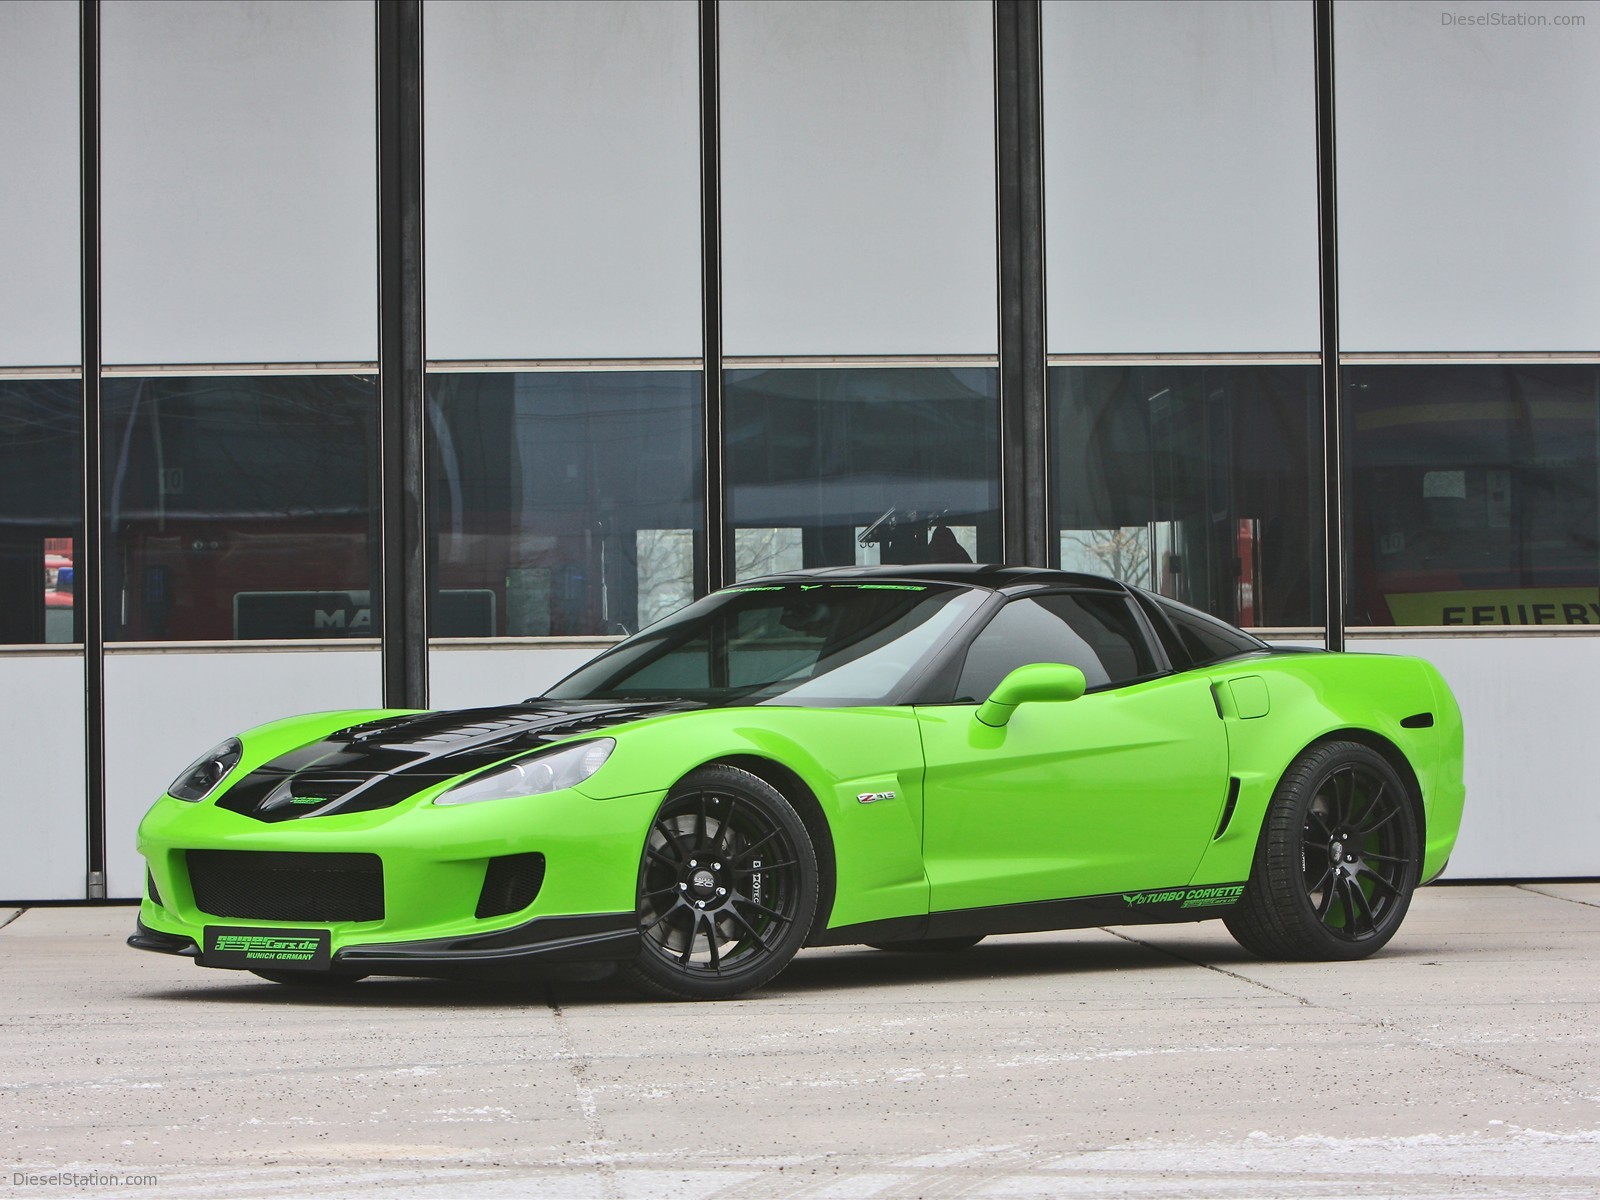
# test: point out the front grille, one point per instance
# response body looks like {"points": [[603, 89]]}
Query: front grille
{"points": [[283, 886], [510, 884]]}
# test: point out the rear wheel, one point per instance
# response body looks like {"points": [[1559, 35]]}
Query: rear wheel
{"points": [[727, 888], [944, 945], [1338, 860]]}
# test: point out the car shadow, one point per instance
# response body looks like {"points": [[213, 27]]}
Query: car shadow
{"points": [[848, 970]]}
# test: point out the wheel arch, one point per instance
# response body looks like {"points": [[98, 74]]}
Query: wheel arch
{"points": [[1390, 753], [798, 793]]}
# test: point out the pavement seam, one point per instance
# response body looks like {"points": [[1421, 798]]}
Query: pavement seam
{"points": [[578, 1065], [1266, 987], [1383, 1023], [1523, 887], [12, 917]]}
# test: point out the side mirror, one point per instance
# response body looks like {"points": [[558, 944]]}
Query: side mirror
{"points": [[1036, 681]]}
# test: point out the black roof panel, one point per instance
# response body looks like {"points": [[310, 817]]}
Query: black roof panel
{"points": [[985, 575]]}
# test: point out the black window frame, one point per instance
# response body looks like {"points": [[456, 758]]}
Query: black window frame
{"points": [[949, 677], [1153, 606]]}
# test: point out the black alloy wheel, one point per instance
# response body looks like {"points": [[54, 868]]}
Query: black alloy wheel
{"points": [[727, 887], [1338, 860]]}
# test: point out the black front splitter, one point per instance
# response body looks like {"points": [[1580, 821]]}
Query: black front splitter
{"points": [[591, 938]]}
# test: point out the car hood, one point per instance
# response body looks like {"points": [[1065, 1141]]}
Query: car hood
{"points": [[377, 764]]}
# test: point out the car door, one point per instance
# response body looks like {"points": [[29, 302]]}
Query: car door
{"points": [[1117, 791]]}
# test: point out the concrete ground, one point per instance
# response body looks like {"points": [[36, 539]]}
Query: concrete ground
{"points": [[1156, 1061]]}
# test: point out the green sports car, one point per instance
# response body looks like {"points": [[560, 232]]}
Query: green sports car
{"points": [[906, 757]]}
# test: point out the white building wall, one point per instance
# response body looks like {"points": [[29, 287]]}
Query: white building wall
{"points": [[164, 708], [39, 183], [1180, 176], [1528, 705], [44, 853], [239, 185], [1468, 177], [562, 147], [471, 676], [858, 194]]}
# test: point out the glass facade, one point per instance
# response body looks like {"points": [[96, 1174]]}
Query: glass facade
{"points": [[839, 466], [1202, 483], [563, 502], [239, 507], [41, 510], [1472, 493]]}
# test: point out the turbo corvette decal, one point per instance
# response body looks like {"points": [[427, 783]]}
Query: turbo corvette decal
{"points": [[1197, 897]]}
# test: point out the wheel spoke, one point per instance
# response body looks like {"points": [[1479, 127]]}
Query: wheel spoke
{"points": [[754, 846], [671, 836], [711, 943], [655, 853], [1329, 885], [725, 835], [754, 933], [1367, 872], [700, 823], [1369, 808], [1361, 906], [694, 932], [670, 890], [764, 868], [1379, 823], [660, 917], [1313, 815], [759, 907], [1388, 858]]}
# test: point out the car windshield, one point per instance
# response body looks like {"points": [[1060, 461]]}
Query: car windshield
{"points": [[818, 644]]}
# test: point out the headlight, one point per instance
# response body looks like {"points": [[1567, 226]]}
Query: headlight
{"points": [[534, 775], [202, 776]]}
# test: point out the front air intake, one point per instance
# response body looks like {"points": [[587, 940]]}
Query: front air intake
{"points": [[510, 884], [283, 886]]}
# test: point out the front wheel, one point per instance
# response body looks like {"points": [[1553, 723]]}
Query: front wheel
{"points": [[1338, 860], [727, 888]]}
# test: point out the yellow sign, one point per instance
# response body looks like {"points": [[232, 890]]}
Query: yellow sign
{"points": [[1498, 606]]}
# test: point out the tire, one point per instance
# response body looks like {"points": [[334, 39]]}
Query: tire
{"points": [[727, 888], [308, 979], [1337, 862], [944, 945]]}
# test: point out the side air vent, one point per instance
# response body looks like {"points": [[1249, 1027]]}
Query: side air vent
{"points": [[510, 884], [1418, 721], [151, 890], [1227, 809]]}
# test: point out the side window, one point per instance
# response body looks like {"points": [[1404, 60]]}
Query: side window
{"points": [[1098, 634], [1206, 639]]}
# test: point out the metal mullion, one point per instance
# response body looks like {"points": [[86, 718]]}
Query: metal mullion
{"points": [[402, 401], [1019, 168], [89, 557], [1328, 275], [716, 569]]}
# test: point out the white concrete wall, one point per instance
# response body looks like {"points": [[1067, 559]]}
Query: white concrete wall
{"points": [[1468, 178], [1528, 703], [1180, 176], [563, 179], [44, 852], [39, 183], [858, 194], [473, 676], [165, 708], [239, 182]]}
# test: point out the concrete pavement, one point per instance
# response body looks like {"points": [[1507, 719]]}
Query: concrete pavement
{"points": [[1155, 1061]]}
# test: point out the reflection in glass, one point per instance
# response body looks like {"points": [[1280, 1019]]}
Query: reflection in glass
{"points": [[563, 502], [1202, 483], [40, 509], [843, 466], [1472, 494], [239, 507]]}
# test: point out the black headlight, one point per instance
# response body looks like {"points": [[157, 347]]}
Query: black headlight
{"points": [[203, 775]]}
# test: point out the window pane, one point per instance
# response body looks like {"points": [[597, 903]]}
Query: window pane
{"points": [[1202, 483], [841, 466], [239, 507], [563, 503], [1097, 634], [40, 509], [1472, 495]]}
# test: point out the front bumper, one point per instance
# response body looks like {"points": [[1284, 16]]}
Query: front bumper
{"points": [[435, 878], [600, 937]]}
